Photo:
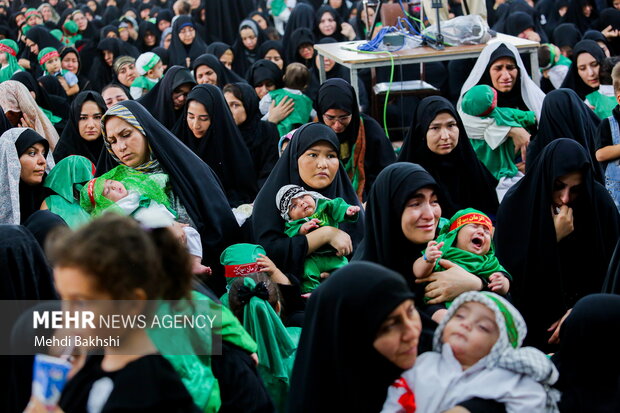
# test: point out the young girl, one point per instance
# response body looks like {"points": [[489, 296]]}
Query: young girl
{"points": [[112, 258], [476, 353]]}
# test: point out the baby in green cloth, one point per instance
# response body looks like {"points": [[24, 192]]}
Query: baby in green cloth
{"points": [[305, 211], [481, 101], [135, 194], [466, 241]]}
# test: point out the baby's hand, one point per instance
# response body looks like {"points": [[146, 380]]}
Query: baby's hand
{"points": [[309, 226], [433, 252], [499, 283], [266, 265], [352, 210]]}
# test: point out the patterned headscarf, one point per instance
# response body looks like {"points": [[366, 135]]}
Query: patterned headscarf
{"points": [[507, 352], [15, 97], [150, 166]]}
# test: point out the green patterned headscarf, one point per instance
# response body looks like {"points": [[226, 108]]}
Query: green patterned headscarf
{"points": [[481, 101], [93, 201]]}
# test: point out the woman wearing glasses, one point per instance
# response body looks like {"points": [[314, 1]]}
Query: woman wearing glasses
{"points": [[364, 148], [186, 45]]}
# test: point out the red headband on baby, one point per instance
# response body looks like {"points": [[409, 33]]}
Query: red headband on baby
{"points": [[472, 218]]}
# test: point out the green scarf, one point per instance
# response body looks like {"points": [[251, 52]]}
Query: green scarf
{"points": [[93, 201], [276, 348], [7, 72], [66, 179]]}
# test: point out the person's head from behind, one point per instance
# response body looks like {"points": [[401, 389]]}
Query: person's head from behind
{"points": [[113, 258], [244, 289], [606, 69], [297, 76], [480, 324], [112, 94], [615, 76]]}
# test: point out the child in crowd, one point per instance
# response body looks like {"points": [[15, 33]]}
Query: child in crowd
{"points": [[296, 79], [8, 59], [608, 143], [305, 211], [465, 241], [49, 59], [603, 100], [284, 141], [135, 194], [553, 64], [481, 101], [151, 69], [476, 353]]}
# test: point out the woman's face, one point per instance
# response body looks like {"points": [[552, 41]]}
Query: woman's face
{"points": [[71, 63], [236, 108], [264, 87], [187, 35], [167, 40], [504, 74], [327, 25], [46, 12], [605, 48], [113, 95], [248, 38], [442, 135], [337, 119], [227, 59], [318, 165], [566, 189], [586, 10], [108, 57], [588, 67], [34, 48], [275, 57], [81, 21], [127, 74], [89, 124], [306, 51], [335, 4], [127, 143], [329, 63], [198, 118], [262, 23], [179, 95], [204, 74], [397, 339], [420, 217], [163, 25], [33, 164], [150, 39]]}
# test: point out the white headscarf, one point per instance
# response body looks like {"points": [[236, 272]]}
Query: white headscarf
{"points": [[531, 94], [10, 170]]}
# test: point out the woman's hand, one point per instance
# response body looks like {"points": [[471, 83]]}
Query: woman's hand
{"points": [[449, 284], [610, 33], [26, 122], [347, 31], [563, 222], [521, 139], [279, 112], [341, 241], [555, 327]]}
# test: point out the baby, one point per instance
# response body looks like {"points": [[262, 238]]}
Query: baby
{"points": [[477, 353], [135, 194], [49, 59], [481, 101], [465, 241], [305, 211], [151, 69], [553, 64]]}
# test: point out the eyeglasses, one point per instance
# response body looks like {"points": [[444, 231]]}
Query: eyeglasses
{"points": [[340, 119]]}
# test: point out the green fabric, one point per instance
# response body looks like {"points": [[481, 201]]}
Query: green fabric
{"points": [[480, 265], [53, 118], [239, 254], [132, 180], [193, 369], [233, 332], [276, 349], [499, 161], [330, 212], [301, 114], [511, 329], [564, 61], [7, 72], [71, 172], [143, 82], [479, 100], [44, 52], [277, 7], [603, 105]]}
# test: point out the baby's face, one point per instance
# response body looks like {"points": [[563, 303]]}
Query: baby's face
{"points": [[114, 190], [301, 207], [471, 333], [475, 238], [53, 65]]}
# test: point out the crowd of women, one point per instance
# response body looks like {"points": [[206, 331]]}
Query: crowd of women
{"points": [[142, 158]]}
